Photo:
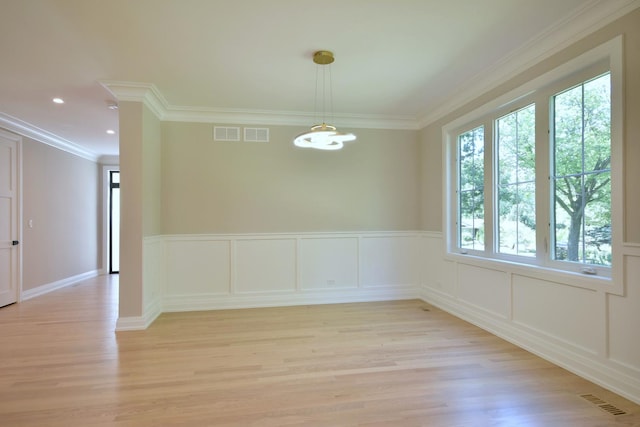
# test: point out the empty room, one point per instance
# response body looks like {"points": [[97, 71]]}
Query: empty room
{"points": [[338, 213]]}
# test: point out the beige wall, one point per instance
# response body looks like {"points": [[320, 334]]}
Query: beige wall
{"points": [[140, 213], [431, 178], [61, 196], [152, 157], [131, 202], [241, 187], [431, 136]]}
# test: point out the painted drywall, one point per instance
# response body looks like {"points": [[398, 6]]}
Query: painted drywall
{"points": [[140, 169], [151, 175], [60, 200], [248, 187], [131, 211], [431, 178]]}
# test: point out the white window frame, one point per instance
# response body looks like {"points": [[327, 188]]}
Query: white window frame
{"points": [[540, 91]]}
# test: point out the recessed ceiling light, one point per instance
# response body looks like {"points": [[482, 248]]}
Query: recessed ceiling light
{"points": [[111, 131], [58, 100]]}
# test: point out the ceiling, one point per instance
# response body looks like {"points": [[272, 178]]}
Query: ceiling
{"points": [[399, 63]]}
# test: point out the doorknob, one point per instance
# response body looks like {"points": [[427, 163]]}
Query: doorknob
{"points": [[15, 242]]}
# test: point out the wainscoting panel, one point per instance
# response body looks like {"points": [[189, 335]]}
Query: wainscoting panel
{"points": [[153, 273], [328, 263], [195, 267], [484, 288], [265, 265], [389, 261], [624, 312], [565, 314]]}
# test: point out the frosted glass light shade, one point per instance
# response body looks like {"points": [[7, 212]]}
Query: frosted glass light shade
{"points": [[323, 137]]}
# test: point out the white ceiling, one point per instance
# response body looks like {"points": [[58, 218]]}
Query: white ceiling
{"points": [[401, 62]]}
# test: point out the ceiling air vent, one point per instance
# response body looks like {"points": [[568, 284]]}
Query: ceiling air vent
{"points": [[221, 133], [256, 134]]}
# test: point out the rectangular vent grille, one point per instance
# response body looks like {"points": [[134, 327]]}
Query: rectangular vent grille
{"points": [[221, 133], [256, 134], [607, 407]]}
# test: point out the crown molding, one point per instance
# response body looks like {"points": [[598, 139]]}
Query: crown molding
{"points": [[592, 16], [28, 130], [286, 118], [150, 95], [146, 93]]}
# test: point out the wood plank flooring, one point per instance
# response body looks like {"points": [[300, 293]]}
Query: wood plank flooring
{"points": [[399, 363]]}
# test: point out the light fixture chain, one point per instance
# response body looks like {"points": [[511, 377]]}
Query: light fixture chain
{"points": [[324, 93], [331, 96], [323, 136], [315, 101]]}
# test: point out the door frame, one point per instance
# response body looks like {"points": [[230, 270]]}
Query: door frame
{"points": [[106, 213], [18, 140]]}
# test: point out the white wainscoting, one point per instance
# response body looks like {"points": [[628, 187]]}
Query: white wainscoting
{"points": [[152, 274], [204, 272], [589, 332], [153, 280]]}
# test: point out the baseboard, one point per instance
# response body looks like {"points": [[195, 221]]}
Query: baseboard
{"points": [[178, 303], [137, 323], [131, 323], [59, 284], [590, 368]]}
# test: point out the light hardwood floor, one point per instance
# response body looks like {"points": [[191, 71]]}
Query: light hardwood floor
{"points": [[399, 363]]}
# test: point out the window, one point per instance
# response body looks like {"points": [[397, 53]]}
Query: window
{"points": [[471, 189], [534, 175], [516, 186], [582, 173]]}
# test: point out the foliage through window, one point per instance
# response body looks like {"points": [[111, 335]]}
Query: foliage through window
{"points": [[516, 186], [582, 173], [471, 189], [510, 180]]}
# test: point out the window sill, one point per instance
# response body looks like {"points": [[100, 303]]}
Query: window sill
{"points": [[564, 277]]}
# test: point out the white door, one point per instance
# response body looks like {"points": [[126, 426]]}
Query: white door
{"points": [[9, 261]]}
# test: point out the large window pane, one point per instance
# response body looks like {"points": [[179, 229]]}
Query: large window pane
{"points": [[471, 189], [515, 140], [582, 173]]}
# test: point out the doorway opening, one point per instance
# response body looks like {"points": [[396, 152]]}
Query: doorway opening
{"points": [[114, 221]]}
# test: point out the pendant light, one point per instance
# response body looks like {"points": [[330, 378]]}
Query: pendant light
{"points": [[323, 136]]}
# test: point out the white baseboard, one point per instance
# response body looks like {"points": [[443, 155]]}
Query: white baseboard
{"points": [[59, 284], [178, 303], [131, 324], [152, 311]]}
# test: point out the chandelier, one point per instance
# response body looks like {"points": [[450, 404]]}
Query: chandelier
{"points": [[323, 136]]}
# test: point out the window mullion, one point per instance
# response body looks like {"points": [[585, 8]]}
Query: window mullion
{"points": [[489, 197]]}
